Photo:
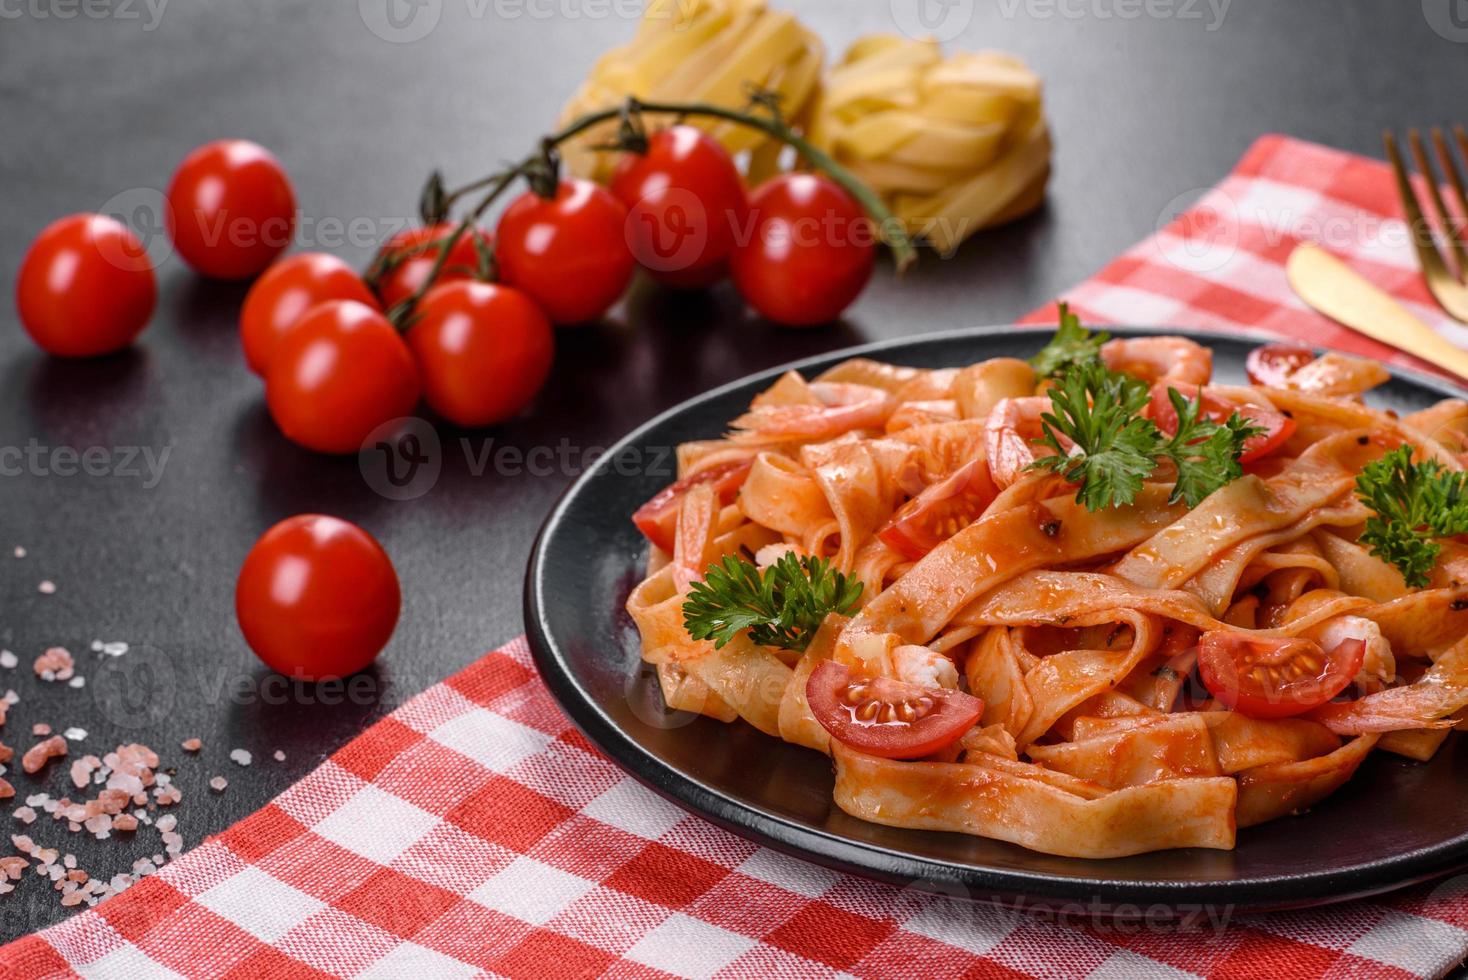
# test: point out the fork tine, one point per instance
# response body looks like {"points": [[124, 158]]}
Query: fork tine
{"points": [[1421, 232], [1455, 178], [1434, 191]]}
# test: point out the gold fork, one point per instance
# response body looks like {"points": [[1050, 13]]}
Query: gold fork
{"points": [[1448, 287]]}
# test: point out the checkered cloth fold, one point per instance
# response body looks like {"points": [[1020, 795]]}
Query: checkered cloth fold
{"points": [[474, 831]]}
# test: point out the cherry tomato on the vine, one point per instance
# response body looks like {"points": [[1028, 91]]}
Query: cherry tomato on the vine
{"points": [[412, 261], [809, 251], [686, 203], [483, 351], [569, 253], [85, 287], [290, 287], [231, 209], [338, 374], [317, 598]]}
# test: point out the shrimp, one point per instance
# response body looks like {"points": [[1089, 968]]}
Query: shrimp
{"points": [[843, 407], [1009, 436], [1165, 359], [925, 667]]}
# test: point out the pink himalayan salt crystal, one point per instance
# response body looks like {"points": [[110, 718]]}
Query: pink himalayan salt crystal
{"points": [[39, 754], [54, 665]]}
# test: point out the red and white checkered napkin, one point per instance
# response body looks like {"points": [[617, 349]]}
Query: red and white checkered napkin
{"points": [[474, 831]]}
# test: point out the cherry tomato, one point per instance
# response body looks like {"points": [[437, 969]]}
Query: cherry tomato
{"points": [[885, 717], [809, 251], [289, 288], [1272, 364], [483, 351], [658, 518], [340, 373], [1275, 677], [231, 209], [568, 253], [85, 287], [686, 203], [940, 511], [1277, 426], [408, 273], [317, 598]]}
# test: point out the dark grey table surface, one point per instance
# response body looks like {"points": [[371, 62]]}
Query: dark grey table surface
{"points": [[1149, 105]]}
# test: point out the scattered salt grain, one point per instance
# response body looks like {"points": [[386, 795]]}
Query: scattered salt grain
{"points": [[279, 756], [24, 814], [167, 822], [8, 660], [96, 646], [76, 734], [40, 728], [218, 783], [47, 587], [39, 754], [125, 822], [191, 744], [19, 551], [77, 682], [241, 756], [115, 648]]}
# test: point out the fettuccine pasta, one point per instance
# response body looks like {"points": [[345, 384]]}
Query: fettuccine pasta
{"points": [[1136, 677]]}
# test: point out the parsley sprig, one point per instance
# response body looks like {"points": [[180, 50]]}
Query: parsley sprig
{"points": [[782, 606], [1101, 442], [1072, 345], [1414, 503]]}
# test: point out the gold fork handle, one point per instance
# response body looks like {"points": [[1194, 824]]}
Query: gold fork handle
{"points": [[1331, 287]]}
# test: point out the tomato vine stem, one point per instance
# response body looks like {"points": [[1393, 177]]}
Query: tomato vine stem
{"points": [[541, 168]]}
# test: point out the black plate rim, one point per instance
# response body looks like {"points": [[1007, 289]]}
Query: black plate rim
{"points": [[988, 884]]}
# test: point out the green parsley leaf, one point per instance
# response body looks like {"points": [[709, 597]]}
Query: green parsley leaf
{"points": [[1205, 453], [1414, 503], [1097, 410], [1114, 450], [781, 607], [1072, 345]]}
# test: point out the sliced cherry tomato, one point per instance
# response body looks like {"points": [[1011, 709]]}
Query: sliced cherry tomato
{"points": [[317, 598], [1272, 364], [1277, 426], [340, 373], [483, 351], [569, 253], [231, 209], [411, 259], [1275, 677], [941, 510], [658, 518], [809, 250], [885, 717], [289, 288], [85, 287], [685, 200]]}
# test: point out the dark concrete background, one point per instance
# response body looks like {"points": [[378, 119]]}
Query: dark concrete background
{"points": [[98, 108]]}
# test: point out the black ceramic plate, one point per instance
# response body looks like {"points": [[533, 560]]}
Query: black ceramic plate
{"points": [[1395, 823]]}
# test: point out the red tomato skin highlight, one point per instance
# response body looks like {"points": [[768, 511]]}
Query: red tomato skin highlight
{"points": [[483, 351], [283, 295], [1236, 689], [1272, 364], [404, 279], [339, 374], [686, 202], [570, 253], [809, 251], [231, 209], [85, 287], [317, 598]]}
